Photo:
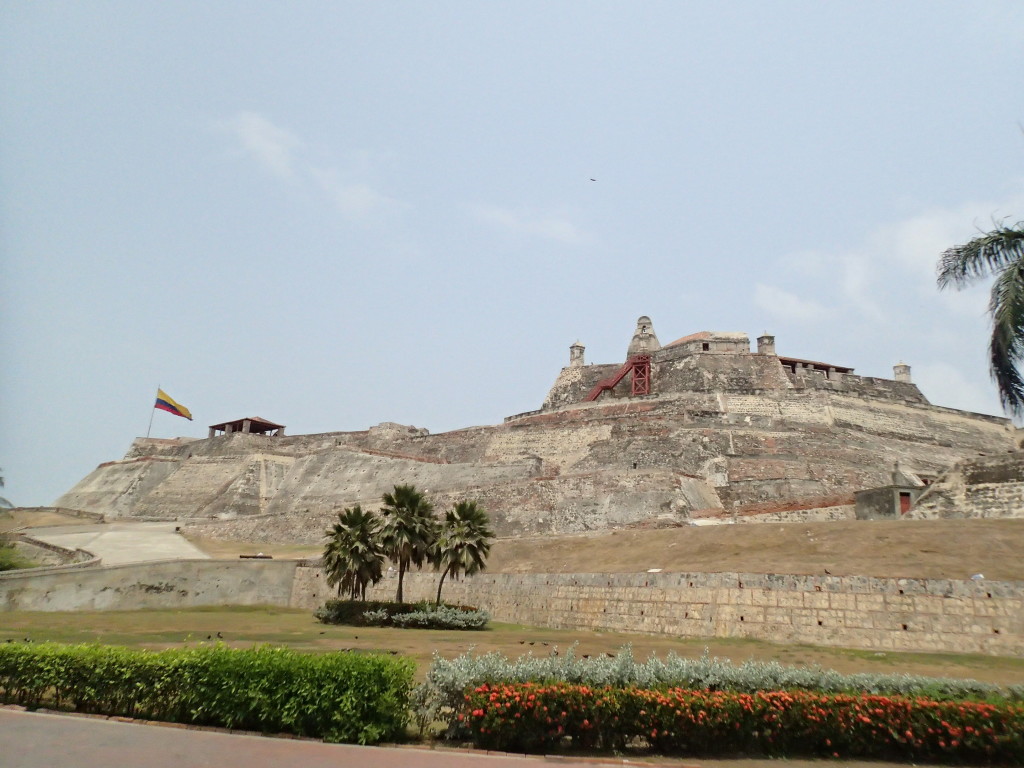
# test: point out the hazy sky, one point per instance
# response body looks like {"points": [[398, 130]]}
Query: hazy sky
{"points": [[335, 214]]}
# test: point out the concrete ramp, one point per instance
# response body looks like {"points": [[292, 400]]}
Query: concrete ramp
{"points": [[119, 543]]}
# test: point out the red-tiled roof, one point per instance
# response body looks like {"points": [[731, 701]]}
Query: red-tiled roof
{"points": [[691, 337]]}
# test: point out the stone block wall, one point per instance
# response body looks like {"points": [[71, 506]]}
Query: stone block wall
{"points": [[935, 615], [166, 584], [986, 486]]}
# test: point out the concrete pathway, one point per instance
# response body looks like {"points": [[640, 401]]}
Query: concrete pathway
{"points": [[119, 543], [44, 740]]}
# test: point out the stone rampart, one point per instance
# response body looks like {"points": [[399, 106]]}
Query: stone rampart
{"points": [[165, 584], [986, 486], [936, 615], [722, 430]]}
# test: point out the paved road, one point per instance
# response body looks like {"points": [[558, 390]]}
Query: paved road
{"points": [[120, 543], [38, 740]]}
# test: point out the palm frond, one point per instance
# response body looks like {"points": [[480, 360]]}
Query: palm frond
{"points": [[1006, 348], [986, 254]]}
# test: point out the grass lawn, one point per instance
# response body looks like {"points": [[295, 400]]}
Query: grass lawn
{"points": [[297, 629]]}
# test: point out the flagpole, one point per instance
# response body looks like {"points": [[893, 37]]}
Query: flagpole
{"points": [[152, 410]]}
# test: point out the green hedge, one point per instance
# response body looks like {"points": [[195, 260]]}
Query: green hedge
{"points": [[379, 613], [538, 717], [335, 696]]}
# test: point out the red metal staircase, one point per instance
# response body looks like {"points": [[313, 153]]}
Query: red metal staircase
{"points": [[639, 366]]}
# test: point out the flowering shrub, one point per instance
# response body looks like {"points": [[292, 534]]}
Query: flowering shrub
{"points": [[536, 717], [378, 613], [441, 696]]}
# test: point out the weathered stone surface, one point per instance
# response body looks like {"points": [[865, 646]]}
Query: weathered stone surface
{"points": [[939, 615], [185, 583], [846, 611], [724, 432], [985, 486]]}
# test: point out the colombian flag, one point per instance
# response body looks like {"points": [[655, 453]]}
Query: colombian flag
{"points": [[165, 403]]}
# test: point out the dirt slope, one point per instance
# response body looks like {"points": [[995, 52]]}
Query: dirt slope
{"points": [[954, 549]]}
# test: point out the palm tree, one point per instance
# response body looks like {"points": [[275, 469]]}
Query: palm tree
{"points": [[354, 556], [409, 529], [464, 542], [3, 502], [999, 253]]}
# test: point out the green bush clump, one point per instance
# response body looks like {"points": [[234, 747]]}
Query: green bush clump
{"points": [[445, 617], [335, 696], [441, 695], [379, 613], [538, 717], [11, 559]]}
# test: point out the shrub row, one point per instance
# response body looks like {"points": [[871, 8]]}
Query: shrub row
{"points": [[447, 680], [536, 717], [335, 696], [377, 613]]}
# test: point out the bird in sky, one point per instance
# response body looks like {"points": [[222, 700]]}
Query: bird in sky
{"points": [[593, 179]]}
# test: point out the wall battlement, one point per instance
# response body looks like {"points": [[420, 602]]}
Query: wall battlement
{"points": [[723, 362]]}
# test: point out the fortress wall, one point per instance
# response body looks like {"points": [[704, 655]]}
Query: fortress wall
{"points": [[943, 427], [304, 527], [863, 386], [986, 486], [593, 501], [157, 446], [809, 515], [557, 447], [575, 382], [718, 372], [167, 584], [935, 615], [111, 488], [745, 437], [555, 505], [326, 482], [192, 487]]}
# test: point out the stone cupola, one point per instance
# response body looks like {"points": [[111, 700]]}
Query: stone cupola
{"points": [[644, 341]]}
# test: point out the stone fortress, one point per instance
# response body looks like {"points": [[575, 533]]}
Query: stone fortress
{"points": [[703, 429]]}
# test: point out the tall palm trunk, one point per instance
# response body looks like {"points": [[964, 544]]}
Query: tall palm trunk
{"points": [[437, 603], [401, 576]]}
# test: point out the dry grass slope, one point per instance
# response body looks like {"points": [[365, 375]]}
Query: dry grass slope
{"points": [[951, 549]]}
